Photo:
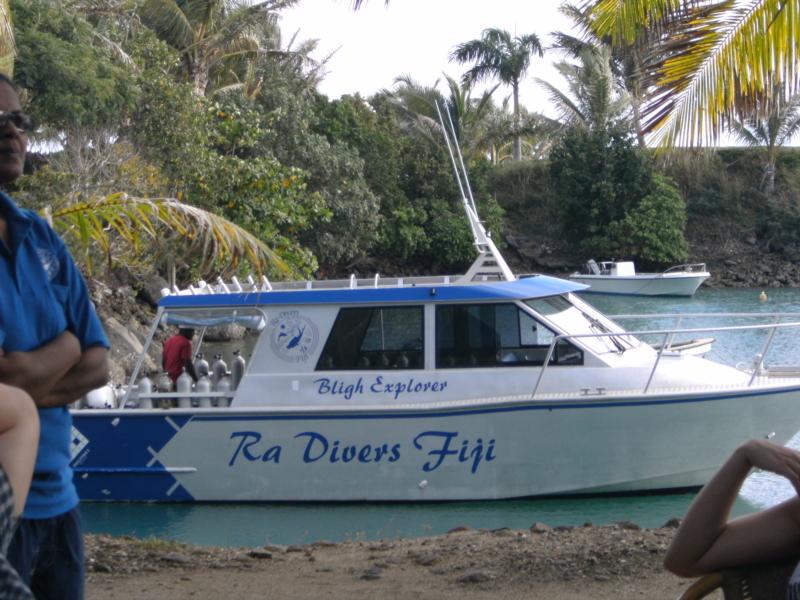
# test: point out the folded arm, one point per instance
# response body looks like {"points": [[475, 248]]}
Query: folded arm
{"points": [[706, 541], [89, 373], [39, 371]]}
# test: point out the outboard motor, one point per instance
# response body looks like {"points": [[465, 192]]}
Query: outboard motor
{"points": [[200, 365], [203, 386], [223, 385], [184, 386], [144, 387], [237, 369], [218, 369]]}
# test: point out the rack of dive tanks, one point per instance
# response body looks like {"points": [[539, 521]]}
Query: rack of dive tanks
{"points": [[214, 386]]}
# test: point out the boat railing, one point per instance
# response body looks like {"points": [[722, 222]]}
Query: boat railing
{"points": [[667, 336], [251, 285], [688, 268]]}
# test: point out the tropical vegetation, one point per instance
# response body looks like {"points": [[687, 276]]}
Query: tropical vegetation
{"points": [[190, 137]]}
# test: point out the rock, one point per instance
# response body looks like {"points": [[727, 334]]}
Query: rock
{"points": [[540, 528], [673, 523], [176, 557], [372, 574], [476, 577], [259, 554], [323, 544], [629, 525], [102, 568], [459, 529], [151, 289], [427, 560]]}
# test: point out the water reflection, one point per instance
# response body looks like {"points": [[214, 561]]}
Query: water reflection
{"points": [[258, 524]]}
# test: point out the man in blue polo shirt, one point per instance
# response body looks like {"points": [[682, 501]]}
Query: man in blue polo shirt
{"points": [[52, 345]]}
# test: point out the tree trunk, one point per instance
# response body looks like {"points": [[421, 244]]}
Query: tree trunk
{"points": [[768, 180], [517, 136], [197, 72]]}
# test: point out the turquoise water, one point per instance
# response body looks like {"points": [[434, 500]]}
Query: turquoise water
{"points": [[258, 524]]}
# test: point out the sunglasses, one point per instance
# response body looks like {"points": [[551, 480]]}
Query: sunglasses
{"points": [[21, 121]]}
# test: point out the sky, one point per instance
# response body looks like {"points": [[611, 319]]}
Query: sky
{"points": [[378, 43]]}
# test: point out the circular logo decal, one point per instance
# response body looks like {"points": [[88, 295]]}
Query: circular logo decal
{"points": [[293, 337]]}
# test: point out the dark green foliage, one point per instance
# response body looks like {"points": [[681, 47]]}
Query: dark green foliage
{"points": [[652, 231], [610, 202], [216, 156], [348, 228], [71, 80], [704, 181], [598, 176]]}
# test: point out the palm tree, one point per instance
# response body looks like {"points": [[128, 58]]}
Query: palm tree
{"points": [[209, 32], [625, 59], [7, 47], [595, 99], [497, 55], [773, 131], [415, 105], [709, 60], [221, 245]]}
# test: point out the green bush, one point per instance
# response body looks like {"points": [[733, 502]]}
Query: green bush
{"points": [[652, 231]]}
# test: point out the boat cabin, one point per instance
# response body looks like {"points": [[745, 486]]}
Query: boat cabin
{"points": [[406, 341]]}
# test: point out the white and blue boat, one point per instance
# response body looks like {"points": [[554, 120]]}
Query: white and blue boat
{"points": [[479, 386]]}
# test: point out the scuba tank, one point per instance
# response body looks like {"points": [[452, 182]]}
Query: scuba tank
{"points": [[163, 386], [203, 386], [237, 369], [200, 365], [145, 387], [218, 369], [183, 386], [223, 385]]}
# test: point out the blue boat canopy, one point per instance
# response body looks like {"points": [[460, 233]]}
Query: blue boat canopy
{"points": [[537, 286]]}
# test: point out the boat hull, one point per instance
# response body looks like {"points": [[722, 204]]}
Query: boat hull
{"points": [[504, 449], [657, 284]]}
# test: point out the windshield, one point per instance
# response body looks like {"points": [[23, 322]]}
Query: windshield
{"points": [[581, 319]]}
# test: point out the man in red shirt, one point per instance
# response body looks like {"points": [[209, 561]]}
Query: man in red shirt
{"points": [[177, 354]]}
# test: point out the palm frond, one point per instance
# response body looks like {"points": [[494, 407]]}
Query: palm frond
{"points": [[712, 61], [214, 239], [568, 110], [168, 18], [8, 49], [623, 20]]}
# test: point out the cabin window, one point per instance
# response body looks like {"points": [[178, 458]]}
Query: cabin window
{"points": [[374, 338], [500, 335]]}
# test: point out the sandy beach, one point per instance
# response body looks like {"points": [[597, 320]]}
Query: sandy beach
{"points": [[608, 562]]}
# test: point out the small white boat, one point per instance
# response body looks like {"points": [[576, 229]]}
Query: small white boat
{"points": [[478, 386], [620, 277]]}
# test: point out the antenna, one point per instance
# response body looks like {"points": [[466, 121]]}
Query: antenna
{"points": [[490, 263]]}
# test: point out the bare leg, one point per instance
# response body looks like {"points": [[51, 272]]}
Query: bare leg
{"points": [[19, 438]]}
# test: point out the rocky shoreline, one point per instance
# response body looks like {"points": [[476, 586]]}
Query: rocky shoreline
{"points": [[464, 561]]}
